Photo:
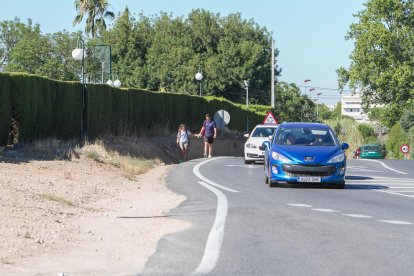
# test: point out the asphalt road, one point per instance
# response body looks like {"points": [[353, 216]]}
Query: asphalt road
{"points": [[243, 227]]}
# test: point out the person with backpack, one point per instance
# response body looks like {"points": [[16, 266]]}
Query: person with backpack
{"points": [[183, 141], [209, 132]]}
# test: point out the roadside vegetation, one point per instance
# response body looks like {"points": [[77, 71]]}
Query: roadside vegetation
{"points": [[131, 166]]}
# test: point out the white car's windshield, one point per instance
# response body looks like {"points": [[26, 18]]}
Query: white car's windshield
{"points": [[305, 136], [263, 131]]}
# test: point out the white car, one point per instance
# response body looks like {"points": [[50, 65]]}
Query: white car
{"points": [[258, 135]]}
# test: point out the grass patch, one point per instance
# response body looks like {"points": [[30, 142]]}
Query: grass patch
{"points": [[58, 199], [130, 165], [135, 166]]}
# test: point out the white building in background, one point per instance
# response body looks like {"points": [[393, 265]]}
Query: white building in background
{"points": [[352, 106]]}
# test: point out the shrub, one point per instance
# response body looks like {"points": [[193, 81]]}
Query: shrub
{"points": [[396, 138], [367, 132], [407, 120]]}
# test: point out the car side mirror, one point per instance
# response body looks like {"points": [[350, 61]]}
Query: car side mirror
{"points": [[246, 135], [345, 146], [265, 145]]}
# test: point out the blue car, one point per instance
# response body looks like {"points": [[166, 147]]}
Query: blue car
{"points": [[305, 153]]}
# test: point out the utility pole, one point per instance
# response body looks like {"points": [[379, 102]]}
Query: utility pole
{"points": [[272, 86]]}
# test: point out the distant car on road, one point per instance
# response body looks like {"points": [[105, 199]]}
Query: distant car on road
{"points": [[303, 153], [371, 151], [255, 139]]}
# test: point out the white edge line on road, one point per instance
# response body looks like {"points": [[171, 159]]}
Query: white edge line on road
{"points": [[299, 205], [362, 187], [326, 210], [196, 171], [215, 238], [399, 222], [356, 216], [384, 165]]}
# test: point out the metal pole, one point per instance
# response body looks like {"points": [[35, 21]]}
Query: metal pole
{"points": [[84, 126], [272, 87], [247, 96], [200, 87], [317, 110]]}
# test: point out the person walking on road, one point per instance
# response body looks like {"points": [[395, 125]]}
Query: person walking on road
{"points": [[209, 132], [183, 141]]}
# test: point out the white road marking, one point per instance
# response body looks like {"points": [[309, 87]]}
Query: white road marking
{"points": [[399, 222], [360, 168], [326, 210], [381, 191], [356, 216], [215, 238], [245, 166], [384, 165], [196, 171], [299, 205]]}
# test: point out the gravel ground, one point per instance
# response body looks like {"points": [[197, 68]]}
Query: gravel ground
{"points": [[81, 217]]}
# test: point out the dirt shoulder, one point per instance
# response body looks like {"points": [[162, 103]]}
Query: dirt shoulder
{"points": [[81, 217]]}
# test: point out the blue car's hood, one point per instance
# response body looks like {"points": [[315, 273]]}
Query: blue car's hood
{"points": [[319, 154]]}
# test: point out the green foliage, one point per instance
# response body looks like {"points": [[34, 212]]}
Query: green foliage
{"points": [[367, 132], [396, 138], [291, 106], [337, 112], [381, 62], [407, 119], [163, 53], [23, 48], [5, 108], [347, 130], [410, 135]]}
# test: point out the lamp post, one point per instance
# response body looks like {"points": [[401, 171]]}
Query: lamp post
{"points": [[310, 92], [80, 54], [246, 85], [199, 77], [306, 81], [317, 105]]}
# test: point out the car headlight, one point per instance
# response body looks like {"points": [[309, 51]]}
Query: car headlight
{"points": [[251, 146], [280, 157], [338, 158]]}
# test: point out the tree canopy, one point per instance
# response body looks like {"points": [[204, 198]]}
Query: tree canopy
{"points": [[382, 63]]}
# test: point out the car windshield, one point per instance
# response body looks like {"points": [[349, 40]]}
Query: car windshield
{"points": [[263, 131], [371, 148], [305, 136]]}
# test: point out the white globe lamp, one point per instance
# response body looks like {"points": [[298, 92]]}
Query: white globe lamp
{"points": [[117, 83]]}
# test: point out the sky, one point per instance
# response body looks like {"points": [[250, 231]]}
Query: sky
{"points": [[310, 34]]}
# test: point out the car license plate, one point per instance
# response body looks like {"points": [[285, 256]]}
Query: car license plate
{"points": [[309, 179]]}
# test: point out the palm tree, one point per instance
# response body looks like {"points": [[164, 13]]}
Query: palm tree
{"points": [[97, 11]]}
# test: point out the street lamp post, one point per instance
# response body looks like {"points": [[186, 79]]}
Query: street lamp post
{"points": [[246, 84], [310, 92], [306, 81], [317, 105], [80, 54], [199, 77]]}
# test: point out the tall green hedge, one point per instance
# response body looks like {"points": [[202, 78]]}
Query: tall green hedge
{"points": [[48, 108]]}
